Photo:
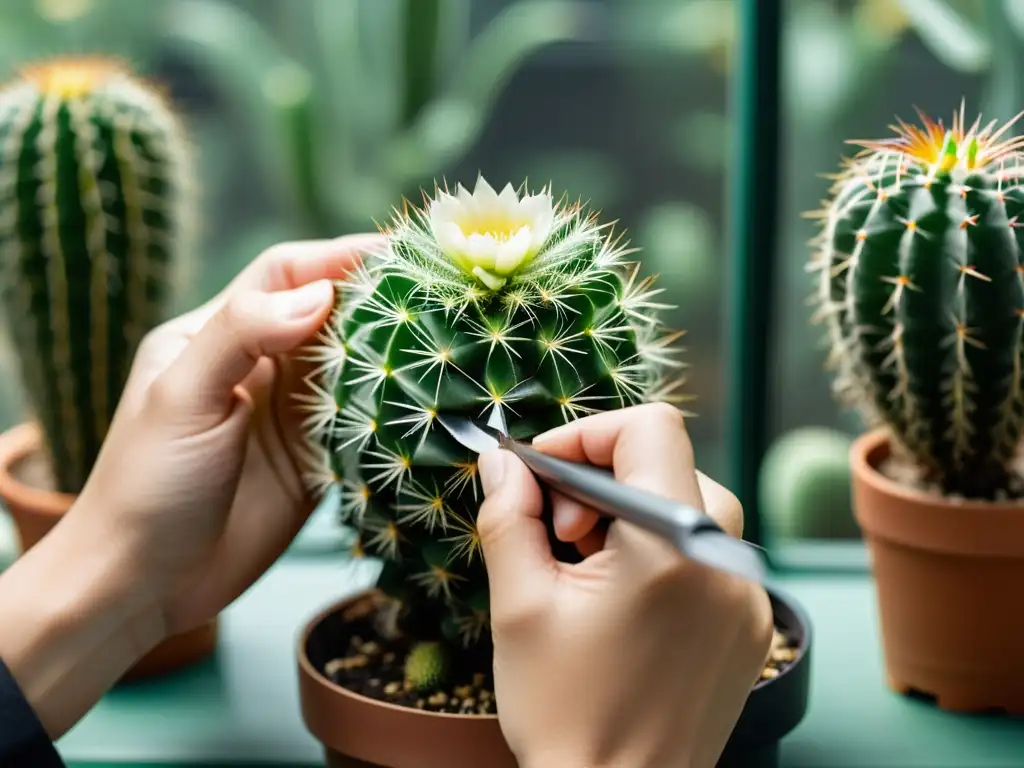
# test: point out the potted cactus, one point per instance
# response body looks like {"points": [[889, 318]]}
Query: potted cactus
{"points": [[480, 301], [922, 289], [95, 222]]}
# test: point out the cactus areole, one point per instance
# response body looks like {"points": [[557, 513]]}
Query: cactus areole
{"points": [[95, 219], [479, 301], [922, 289]]}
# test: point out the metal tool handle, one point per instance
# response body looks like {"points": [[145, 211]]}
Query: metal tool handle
{"points": [[597, 488]]}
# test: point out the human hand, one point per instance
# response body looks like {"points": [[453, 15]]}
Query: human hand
{"points": [[634, 657], [198, 481]]}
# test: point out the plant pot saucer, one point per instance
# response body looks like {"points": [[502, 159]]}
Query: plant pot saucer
{"points": [[357, 731]]}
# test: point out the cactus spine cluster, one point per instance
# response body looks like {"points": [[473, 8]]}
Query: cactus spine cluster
{"points": [[479, 302], [95, 221], [922, 288]]}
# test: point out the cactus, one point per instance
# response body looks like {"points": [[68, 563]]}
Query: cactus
{"points": [[922, 288], [427, 666], [94, 222], [479, 303]]}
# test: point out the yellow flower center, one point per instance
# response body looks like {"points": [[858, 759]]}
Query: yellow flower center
{"points": [[71, 78]]}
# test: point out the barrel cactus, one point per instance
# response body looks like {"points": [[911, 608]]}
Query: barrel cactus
{"points": [[922, 289], [95, 221], [479, 302]]}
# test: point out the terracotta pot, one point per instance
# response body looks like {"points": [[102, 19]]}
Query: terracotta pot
{"points": [[950, 575], [36, 511], [359, 732]]}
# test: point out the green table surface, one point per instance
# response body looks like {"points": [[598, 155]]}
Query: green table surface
{"points": [[241, 708]]}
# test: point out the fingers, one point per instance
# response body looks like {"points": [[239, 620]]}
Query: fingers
{"points": [[200, 384], [572, 519], [512, 535], [287, 266], [647, 446], [291, 265], [722, 505]]}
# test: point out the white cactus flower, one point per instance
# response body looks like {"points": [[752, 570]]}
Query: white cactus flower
{"points": [[491, 235]]}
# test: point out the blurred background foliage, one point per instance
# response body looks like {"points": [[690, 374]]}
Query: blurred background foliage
{"points": [[314, 117]]}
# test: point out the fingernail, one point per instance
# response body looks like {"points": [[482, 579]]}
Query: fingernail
{"points": [[491, 466], [304, 301]]}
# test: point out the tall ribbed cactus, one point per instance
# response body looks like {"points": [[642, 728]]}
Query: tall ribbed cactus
{"points": [[480, 302], [94, 222], [922, 288]]}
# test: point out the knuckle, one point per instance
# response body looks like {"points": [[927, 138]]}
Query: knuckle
{"points": [[489, 522], [164, 392], [516, 619], [663, 415], [240, 309]]}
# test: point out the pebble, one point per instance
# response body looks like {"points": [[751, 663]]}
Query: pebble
{"points": [[478, 680], [769, 673], [439, 699], [370, 649], [392, 688], [784, 654], [332, 667]]}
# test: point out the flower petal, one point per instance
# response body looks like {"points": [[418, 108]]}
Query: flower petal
{"points": [[481, 249], [513, 252]]}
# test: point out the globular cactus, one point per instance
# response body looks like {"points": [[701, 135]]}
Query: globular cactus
{"points": [[427, 666], [479, 302], [922, 287], [95, 223]]}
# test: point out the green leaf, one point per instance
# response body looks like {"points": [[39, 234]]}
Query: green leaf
{"points": [[1014, 12], [452, 123], [950, 36], [248, 66]]}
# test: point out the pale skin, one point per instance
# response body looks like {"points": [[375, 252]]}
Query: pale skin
{"points": [[198, 490]]}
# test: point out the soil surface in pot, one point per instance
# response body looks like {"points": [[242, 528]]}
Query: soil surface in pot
{"points": [[373, 666]]}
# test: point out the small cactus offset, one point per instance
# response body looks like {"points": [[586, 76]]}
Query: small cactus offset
{"points": [[426, 666], [922, 288], [480, 302], [95, 222]]}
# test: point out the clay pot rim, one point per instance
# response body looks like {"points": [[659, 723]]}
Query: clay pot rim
{"points": [[315, 675], [17, 444], [311, 672], [880, 439]]}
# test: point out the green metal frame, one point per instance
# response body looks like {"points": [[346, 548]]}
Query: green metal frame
{"points": [[754, 176]]}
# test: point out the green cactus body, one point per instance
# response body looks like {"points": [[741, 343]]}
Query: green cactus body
{"points": [[552, 325], [922, 287], [427, 665], [93, 225]]}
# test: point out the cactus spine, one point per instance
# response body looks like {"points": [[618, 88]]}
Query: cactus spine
{"points": [[94, 224], [479, 302], [922, 288]]}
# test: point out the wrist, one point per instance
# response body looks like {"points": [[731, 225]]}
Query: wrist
{"points": [[72, 621]]}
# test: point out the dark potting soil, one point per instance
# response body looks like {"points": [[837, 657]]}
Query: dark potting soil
{"points": [[374, 667]]}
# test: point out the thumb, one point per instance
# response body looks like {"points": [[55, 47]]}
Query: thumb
{"points": [[513, 538], [250, 325]]}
